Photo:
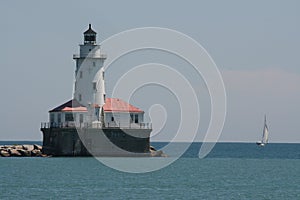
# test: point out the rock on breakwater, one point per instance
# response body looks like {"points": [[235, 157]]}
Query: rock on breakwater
{"points": [[156, 153], [26, 150]]}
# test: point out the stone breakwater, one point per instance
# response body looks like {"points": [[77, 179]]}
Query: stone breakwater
{"points": [[29, 150], [26, 150]]}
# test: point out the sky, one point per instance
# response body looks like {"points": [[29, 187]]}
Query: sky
{"points": [[255, 45]]}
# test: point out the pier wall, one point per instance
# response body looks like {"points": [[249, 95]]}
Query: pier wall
{"points": [[95, 141]]}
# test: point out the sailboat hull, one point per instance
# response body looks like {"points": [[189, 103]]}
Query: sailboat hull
{"points": [[260, 144]]}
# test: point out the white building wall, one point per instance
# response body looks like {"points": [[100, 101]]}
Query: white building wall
{"points": [[90, 50], [88, 64], [122, 119], [54, 118]]}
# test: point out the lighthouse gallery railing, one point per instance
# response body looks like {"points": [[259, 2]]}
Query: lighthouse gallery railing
{"points": [[96, 125]]}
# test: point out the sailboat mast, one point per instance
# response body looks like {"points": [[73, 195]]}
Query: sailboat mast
{"points": [[265, 120]]}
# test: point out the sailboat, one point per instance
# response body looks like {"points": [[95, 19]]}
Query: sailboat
{"points": [[265, 135]]}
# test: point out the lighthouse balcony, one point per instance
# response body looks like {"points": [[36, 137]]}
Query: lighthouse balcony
{"points": [[91, 55], [114, 125]]}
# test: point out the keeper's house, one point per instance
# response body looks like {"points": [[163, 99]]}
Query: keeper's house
{"points": [[117, 113]]}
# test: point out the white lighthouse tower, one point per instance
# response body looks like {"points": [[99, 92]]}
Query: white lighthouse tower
{"points": [[89, 87]]}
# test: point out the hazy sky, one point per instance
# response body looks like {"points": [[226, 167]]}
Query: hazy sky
{"points": [[255, 44]]}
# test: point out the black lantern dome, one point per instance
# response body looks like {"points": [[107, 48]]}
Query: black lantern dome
{"points": [[90, 36]]}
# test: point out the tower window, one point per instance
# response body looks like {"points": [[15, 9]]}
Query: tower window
{"points": [[79, 97], [94, 85], [103, 75], [80, 74], [90, 49], [112, 119], [94, 64]]}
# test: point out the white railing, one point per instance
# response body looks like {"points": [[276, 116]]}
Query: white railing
{"points": [[76, 56], [96, 125]]}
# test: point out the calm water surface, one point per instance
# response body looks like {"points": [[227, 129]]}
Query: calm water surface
{"points": [[231, 171]]}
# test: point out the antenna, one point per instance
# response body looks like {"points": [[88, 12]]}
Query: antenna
{"points": [[265, 125]]}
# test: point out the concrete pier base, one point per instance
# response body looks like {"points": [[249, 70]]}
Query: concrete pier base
{"points": [[96, 142]]}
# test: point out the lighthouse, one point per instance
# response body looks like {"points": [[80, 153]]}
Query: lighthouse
{"points": [[89, 87], [89, 123]]}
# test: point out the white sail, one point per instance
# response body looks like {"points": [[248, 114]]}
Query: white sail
{"points": [[265, 136]]}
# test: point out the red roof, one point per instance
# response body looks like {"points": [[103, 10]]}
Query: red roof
{"points": [[77, 109], [118, 105], [111, 105], [72, 104]]}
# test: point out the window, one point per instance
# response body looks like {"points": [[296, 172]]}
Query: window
{"points": [[112, 119], [94, 64], [97, 111], [94, 85], [81, 118], [52, 118], [80, 74], [131, 118], [79, 97], [69, 117], [59, 118], [90, 49], [136, 118], [103, 75]]}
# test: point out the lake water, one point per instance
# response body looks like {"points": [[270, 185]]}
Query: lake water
{"points": [[230, 171]]}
